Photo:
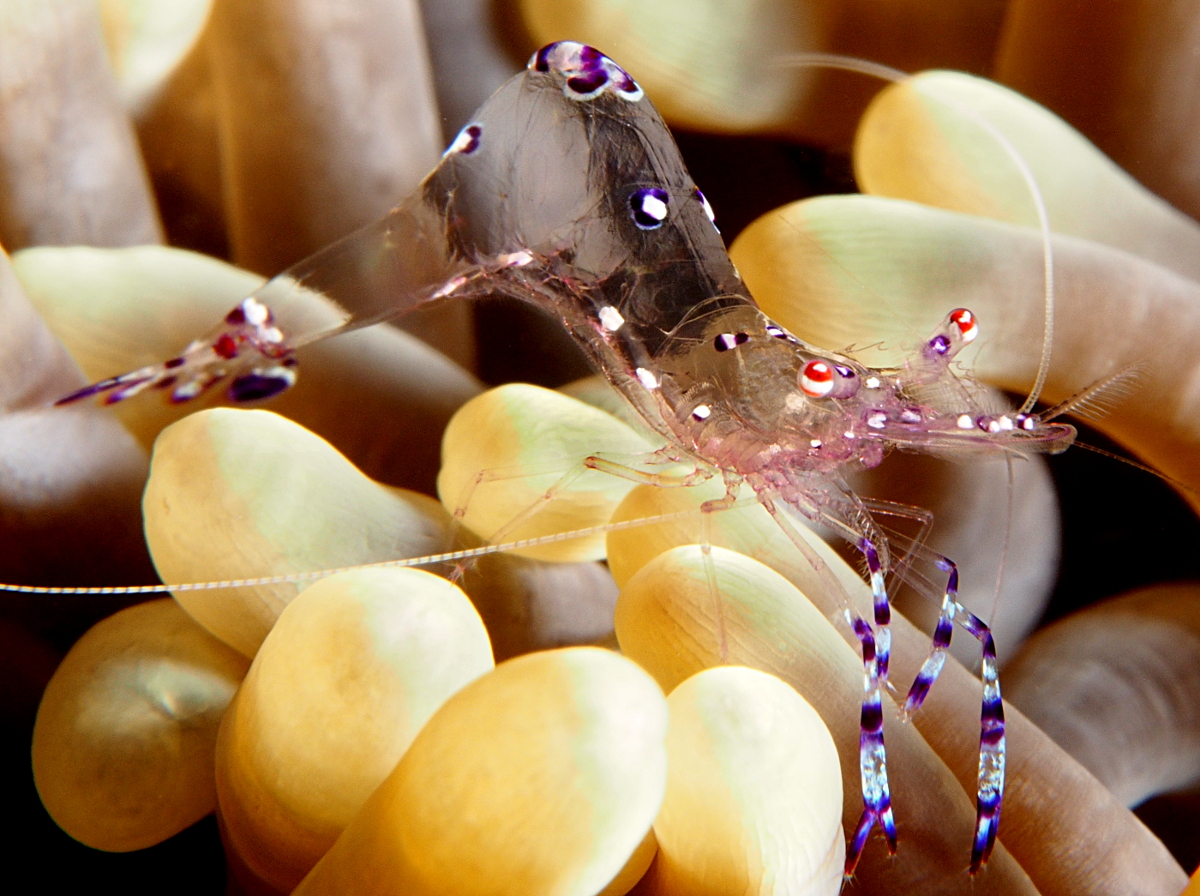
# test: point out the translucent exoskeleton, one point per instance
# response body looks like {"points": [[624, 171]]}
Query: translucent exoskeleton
{"points": [[597, 221]]}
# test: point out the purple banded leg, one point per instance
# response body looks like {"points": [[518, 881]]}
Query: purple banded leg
{"points": [[932, 667], [883, 610], [991, 721], [872, 757], [991, 746]]}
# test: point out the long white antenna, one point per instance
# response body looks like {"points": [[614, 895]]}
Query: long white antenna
{"points": [[298, 577]]}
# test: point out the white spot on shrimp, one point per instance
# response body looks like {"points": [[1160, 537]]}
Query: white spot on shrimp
{"points": [[877, 419], [964, 421], [256, 312], [466, 142], [450, 286], [649, 208], [725, 341], [516, 259], [188, 391], [647, 378], [815, 443], [611, 319], [701, 412], [871, 382]]}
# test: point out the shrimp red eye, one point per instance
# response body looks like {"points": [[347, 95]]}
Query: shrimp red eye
{"points": [[816, 379], [967, 325]]}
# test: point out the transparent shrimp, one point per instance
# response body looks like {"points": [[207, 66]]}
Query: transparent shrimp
{"points": [[598, 222]]}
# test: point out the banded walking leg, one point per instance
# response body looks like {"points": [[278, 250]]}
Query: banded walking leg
{"points": [[883, 609], [872, 757], [990, 790], [876, 651]]}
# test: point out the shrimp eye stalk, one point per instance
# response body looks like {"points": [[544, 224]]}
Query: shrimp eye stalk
{"points": [[957, 330]]}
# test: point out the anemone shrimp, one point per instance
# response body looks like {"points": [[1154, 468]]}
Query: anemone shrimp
{"points": [[647, 209]]}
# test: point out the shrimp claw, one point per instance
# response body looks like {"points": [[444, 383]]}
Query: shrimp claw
{"points": [[246, 346]]}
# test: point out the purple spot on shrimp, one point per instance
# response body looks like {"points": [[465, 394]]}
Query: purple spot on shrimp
{"points": [[917, 693], [589, 72], [590, 57], [541, 59], [588, 84], [258, 385], [88, 391], [166, 382], [649, 207], [475, 132], [866, 638], [871, 554], [236, 316], [882, 813], [857, 844], [726, 341], [132, 387], [994, 736], [939, 345], [622, 82], [173, 363], [872, 717], [466, 142], [978, 629], [989, 801]]}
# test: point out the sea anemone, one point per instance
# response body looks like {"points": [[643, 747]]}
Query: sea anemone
{"points": [[259, 130]]}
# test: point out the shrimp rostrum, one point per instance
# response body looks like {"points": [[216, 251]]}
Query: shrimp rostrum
{"points": [[567, 191]]}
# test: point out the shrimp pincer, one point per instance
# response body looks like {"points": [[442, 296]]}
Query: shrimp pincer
{"points": [[599, 223]]}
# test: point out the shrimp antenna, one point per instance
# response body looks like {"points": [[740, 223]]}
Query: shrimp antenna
{"points": [[895, 76], [1120, 458], [1095, 401], [292, 578]]}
